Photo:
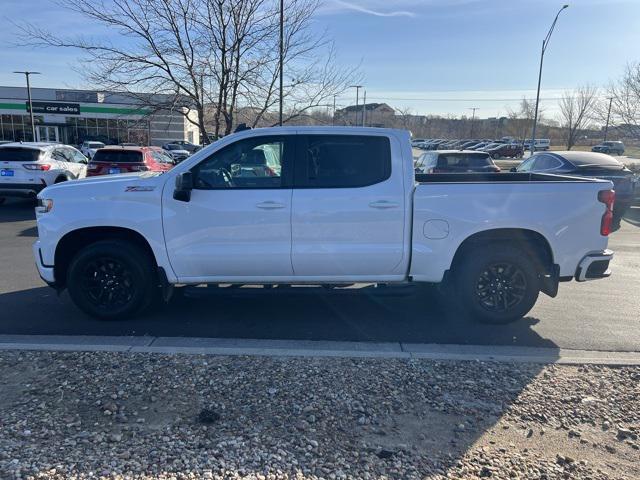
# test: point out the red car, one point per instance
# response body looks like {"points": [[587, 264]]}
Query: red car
{"points": [[112, 160]]}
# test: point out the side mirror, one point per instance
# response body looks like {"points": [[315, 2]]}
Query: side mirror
{"points": [[184, 185], [513, 169]]}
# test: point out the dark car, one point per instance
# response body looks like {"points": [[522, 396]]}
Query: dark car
{"points": [[587, 164], [114, 160], [511, 150], [188, 146], [455, 161], [613, 148]]}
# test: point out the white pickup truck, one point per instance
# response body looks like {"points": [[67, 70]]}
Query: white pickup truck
{"points": [[329, 205]]}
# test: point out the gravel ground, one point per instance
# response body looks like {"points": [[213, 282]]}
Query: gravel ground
{"points": [[150, 416]]}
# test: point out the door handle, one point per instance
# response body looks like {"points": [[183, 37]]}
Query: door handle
{"points": [[384, 204], [270, 205]]}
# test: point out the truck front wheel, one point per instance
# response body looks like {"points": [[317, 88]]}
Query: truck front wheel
{"points": [[498, 286], [112, 279]]}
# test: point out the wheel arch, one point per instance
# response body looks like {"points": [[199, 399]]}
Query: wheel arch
{"points": [[75, 240], [531, 242]]}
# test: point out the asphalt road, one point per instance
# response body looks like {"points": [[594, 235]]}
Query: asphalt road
{"points": [[600, 315]]}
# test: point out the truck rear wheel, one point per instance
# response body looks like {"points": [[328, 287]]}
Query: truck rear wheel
{"points": [[112, 280], [499, 286]]}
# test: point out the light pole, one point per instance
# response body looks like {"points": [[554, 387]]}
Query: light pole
{"points": [[473, 117], [281, 60], [606, 128], [33, 126], [364, 106], [333, 117], [545, 43], [357, 87]]}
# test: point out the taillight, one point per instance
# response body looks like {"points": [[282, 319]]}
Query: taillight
{"points": [[37, 166], [607, 197]]}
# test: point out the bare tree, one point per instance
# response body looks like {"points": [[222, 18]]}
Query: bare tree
{"points": [[520, 121], [625, 103], [576, 110], [204, 56]]}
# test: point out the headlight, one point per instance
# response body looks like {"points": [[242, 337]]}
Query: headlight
{"points": [[44, 205]]}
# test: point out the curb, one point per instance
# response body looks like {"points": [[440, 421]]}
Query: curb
{"points": [[308, 348]]}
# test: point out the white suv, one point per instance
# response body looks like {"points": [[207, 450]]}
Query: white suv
{"points": [[89, 148], [26, 168]]}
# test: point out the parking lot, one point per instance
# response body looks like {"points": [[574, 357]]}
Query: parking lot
{"points": [[601, 315]]}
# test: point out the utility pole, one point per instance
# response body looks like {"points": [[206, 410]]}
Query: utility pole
{"points": [[281, 60], [333, 117], [33, 126], [545, 43], [364, 106], [473, 117], [357, 87], [606, 128]]}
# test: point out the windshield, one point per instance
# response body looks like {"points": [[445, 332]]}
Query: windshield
{"points": [[464, 160], [95, 144], [16, 154]]}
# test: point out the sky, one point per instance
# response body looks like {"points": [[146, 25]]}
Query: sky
{"points": [[430, 56]]}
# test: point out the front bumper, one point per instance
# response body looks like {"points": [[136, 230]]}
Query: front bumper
{"points": [[45, 271], [594, 266], [21, 189]]}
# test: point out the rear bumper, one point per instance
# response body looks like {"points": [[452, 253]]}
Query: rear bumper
{"points": [[594, 266], [20, 189], [45, 271]]}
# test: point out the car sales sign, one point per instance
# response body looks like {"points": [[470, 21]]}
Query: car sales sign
{"points": [[57, 107]]}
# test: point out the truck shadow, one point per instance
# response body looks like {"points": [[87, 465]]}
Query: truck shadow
{"points": [[365, 314]]}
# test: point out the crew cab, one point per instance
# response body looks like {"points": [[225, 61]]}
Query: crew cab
{"points": [[321, 205]]}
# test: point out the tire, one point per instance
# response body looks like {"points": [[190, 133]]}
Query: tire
{"points": [[61, 179], [516, 291], [112, 280]]}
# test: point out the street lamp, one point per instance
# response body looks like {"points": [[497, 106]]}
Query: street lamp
{"points": [[281, 60], [545, 43], [33, 126], [473, 117], [357, 87]]}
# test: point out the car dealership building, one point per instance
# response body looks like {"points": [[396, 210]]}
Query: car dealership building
{"points": [[72, 116]]}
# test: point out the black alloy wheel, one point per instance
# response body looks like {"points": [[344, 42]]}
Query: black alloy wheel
{"points": [[501, 287]]}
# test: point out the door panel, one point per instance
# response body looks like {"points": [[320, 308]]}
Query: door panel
{"points": [[347, 230], [237, 225]]}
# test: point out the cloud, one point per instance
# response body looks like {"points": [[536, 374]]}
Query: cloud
{"points": [[339, 5]]}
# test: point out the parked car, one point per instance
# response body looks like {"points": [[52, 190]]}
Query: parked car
{"points": [[90, 147], [176, 151], [190, 147], [540, 144], [28, 167], [588, 164], [478, 146], [511, 150], [614, 148], [344, 206], [455, 161], [116, 159]]}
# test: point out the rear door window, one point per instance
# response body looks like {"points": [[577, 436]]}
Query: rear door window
{"points": [[546, 162], [342, 161], [118, 156]]}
